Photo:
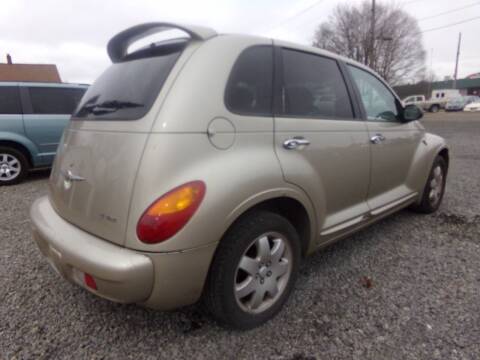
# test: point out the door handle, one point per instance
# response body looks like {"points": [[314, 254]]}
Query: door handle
{"points": [[68, 175], [377, 139], [295, 143]]}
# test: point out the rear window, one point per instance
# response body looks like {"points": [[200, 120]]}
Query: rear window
{"points": [[128, 89], [52, 100], [10, 100], [249, 89]]}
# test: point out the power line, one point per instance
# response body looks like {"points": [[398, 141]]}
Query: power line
{"points": [[449, 25], [411, 2], [450, 11], [296, 15]]}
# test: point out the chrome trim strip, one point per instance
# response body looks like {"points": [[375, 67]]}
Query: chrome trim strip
{"points": [[393, 204], [345, 225]]}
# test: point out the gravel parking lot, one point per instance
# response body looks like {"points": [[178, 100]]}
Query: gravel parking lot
{"points": [[405, 288]]}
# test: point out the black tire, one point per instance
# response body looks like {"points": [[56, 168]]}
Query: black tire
{"points": [[219, 297], [426, 205], [434, 108], [22, 161]]}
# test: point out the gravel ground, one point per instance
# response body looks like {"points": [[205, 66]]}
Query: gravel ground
{"points": [[405, 288]]}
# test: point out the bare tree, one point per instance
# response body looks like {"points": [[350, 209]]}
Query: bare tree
{"points": [[397, 53]]}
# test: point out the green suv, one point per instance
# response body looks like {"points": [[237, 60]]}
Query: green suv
{"points": [[32, 119]]}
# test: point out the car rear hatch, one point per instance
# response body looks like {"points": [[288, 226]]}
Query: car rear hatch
{"points": [[96, 164]]}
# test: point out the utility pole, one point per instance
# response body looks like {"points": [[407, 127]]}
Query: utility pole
{"points": [[456, 61], [372, 40], [430, 78]]}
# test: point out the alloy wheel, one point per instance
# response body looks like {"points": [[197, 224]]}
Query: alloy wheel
{"points": [[10, 167], [263, 272], [436, 186]]}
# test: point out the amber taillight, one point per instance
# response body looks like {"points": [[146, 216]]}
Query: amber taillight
{"points": [[169, 213]]}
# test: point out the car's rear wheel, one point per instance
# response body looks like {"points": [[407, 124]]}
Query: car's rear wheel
{"points": [[434, 108], [13, 166], [253, 271], [434, 188]]}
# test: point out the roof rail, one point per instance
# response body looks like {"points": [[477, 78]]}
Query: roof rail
{"points": [[118, 45]]}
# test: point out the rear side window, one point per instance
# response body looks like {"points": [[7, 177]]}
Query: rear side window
{"points": [[10, 100], [128, 89], [52, 100], [249, 88], [313, 87]]}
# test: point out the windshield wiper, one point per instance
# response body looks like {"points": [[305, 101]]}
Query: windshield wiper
{"points": [[108, 106]]}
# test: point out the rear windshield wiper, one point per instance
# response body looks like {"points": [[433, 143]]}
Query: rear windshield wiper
{"points": [[108, 106]]}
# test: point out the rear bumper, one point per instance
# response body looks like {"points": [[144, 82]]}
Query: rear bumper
{"points": [[121, 275], [158, 280]]}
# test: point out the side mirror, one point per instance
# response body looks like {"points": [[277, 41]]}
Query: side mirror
{"points": [[412, 113]]}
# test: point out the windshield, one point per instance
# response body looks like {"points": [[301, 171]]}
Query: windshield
{"points": [[127, 90]]}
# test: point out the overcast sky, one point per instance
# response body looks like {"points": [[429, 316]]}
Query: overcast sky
{"points": [[73, 34]]}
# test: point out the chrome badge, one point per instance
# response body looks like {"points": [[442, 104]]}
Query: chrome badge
{"points": [[69, 178]]}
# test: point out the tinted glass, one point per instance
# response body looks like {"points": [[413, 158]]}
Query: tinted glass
{"points": [[127, 90], [51, 100], [314, 87], [378, 101], [249, 89], [10, 100]]}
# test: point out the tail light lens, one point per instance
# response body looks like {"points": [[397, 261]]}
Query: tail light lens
{"points": [[90, 281], [169, 213]]}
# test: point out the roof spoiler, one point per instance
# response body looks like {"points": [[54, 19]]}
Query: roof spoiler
{"points": [[118, 45]]}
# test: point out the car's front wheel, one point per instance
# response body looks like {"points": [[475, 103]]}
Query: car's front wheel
{"points": [[434, 108], [434, 188], [13, 166], [253, 271]]}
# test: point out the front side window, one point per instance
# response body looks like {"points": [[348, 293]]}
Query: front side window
{"points": [[313, 87], [10, 100], [378, 101], [54, 100], [249, 88]]}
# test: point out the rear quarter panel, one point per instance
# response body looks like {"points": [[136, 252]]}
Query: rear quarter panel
{"points": [[45, 131], [11, 124], [12, 130], [236, 179]]}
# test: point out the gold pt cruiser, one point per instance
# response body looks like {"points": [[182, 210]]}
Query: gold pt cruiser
{"points": [[206, 167]]}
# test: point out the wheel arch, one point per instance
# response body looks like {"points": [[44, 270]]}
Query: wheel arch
{"points": [[20, 147], [445, 154], [436, 147], [294, 207]]}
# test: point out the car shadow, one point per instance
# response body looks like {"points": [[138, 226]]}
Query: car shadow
{"points": [[35, 175]]}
